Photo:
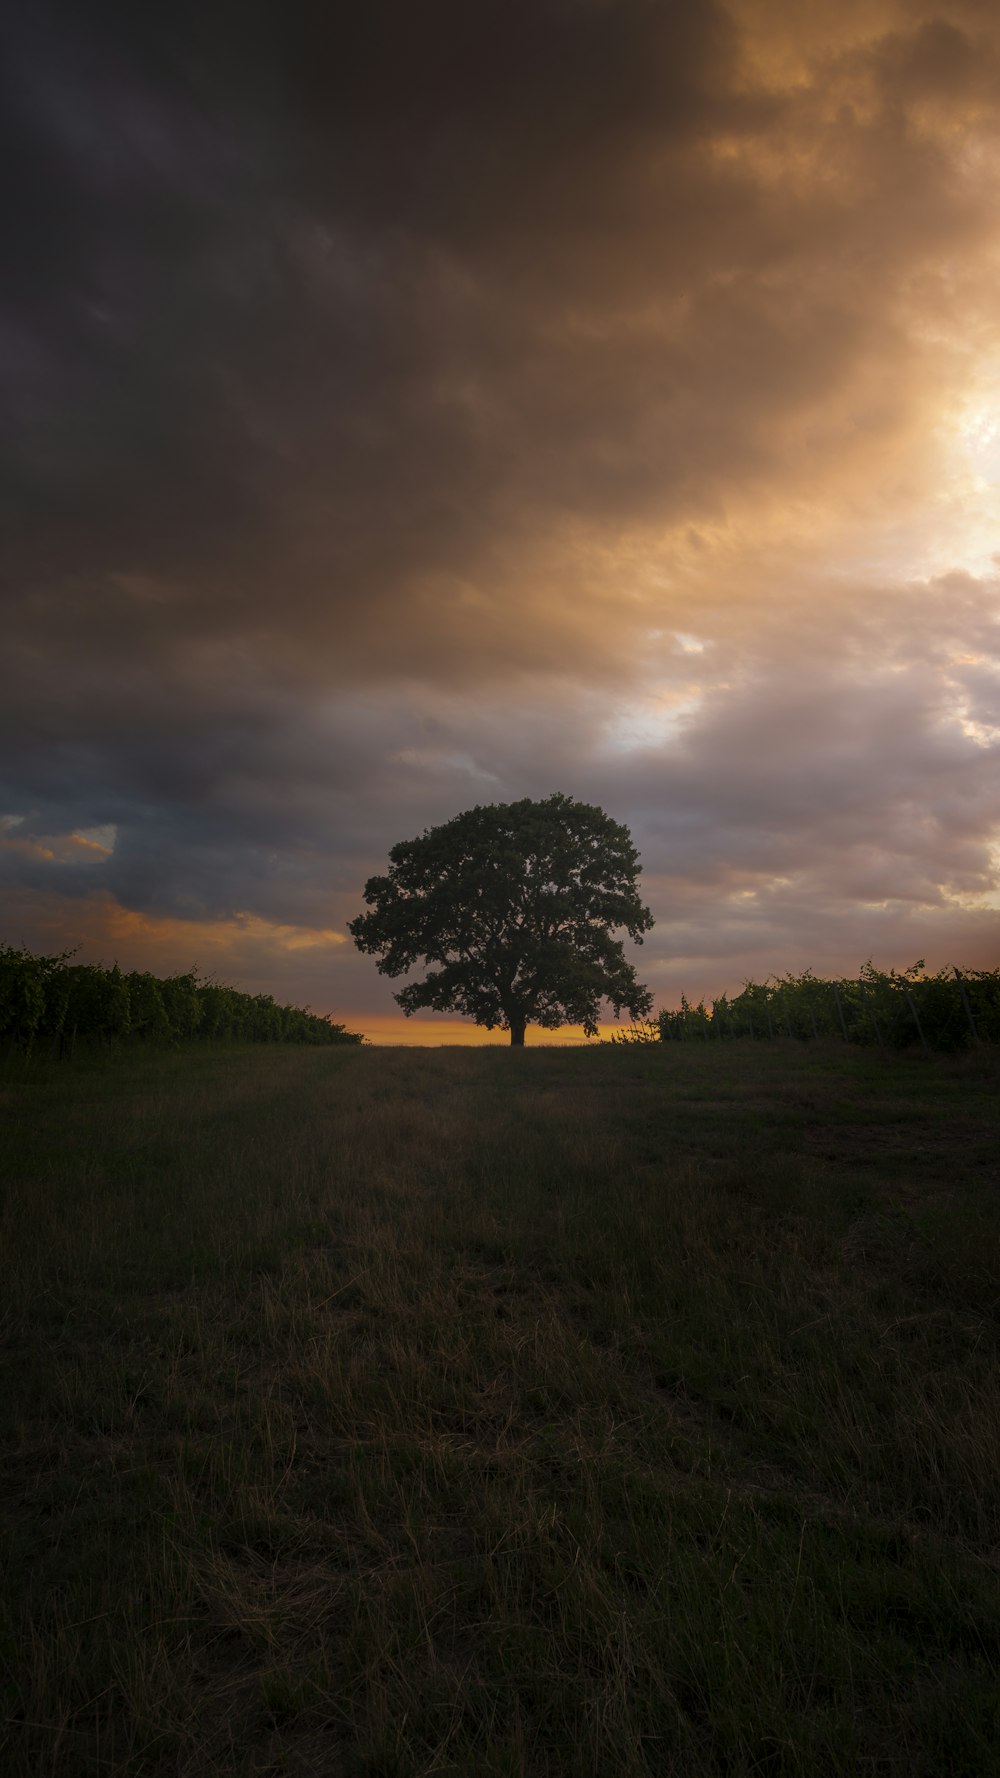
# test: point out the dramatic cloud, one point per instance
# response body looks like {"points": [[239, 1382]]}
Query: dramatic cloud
{"points": [[418, 406]]}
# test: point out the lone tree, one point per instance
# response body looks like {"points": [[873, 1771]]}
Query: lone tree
{"points": [[516, 902]]}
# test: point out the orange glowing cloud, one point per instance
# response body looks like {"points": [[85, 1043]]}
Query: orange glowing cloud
{"points": [[258, 955], [216, 936], [67, 848]]}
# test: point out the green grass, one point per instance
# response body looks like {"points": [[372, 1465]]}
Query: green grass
{"points": [[392, 1413]]}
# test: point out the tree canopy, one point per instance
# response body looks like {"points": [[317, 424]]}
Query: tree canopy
{"points": [[515, 905]]}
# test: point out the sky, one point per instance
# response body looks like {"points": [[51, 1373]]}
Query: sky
{"points": [[410, 407]]}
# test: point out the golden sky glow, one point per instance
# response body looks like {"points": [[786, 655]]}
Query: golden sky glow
{"points": [[603, 399]]}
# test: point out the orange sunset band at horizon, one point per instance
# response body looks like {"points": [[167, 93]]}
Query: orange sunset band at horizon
{"points": [[431, 1033]]}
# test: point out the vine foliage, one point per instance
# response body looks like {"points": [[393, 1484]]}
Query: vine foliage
{"points": [[54, 1004], [951, 1010]]}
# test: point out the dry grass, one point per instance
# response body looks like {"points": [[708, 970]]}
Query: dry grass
{"points": [[406, 1413]]}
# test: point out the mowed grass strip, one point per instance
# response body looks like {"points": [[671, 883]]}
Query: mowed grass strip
{"points": [[613, 1412]]}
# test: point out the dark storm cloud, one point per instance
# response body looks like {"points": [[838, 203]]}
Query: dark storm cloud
{"points": [[328, 320]]}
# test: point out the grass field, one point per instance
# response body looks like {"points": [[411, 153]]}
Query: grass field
{"points": [[616, 1412]]}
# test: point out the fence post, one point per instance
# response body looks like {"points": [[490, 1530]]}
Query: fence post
{"points": [[767, 1009], [960, 979], [788, 1021], [878, 1034], [916, 1018], [840, 1011]]}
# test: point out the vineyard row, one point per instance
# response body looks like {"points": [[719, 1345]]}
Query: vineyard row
{"points": [[952, 1010], [51, 1004]]}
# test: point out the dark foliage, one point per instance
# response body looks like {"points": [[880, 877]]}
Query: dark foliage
{"points": [[516, 903], [54, 1003], [952, 1010]]}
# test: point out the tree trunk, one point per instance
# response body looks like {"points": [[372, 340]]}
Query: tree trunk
{"points": [[517, 1028]]}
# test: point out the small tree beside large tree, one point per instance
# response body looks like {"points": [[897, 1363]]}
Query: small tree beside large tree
{"points": [[515, 905]]}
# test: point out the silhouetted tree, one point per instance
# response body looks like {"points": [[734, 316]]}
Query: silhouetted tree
{"points": [[516, 903]]}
